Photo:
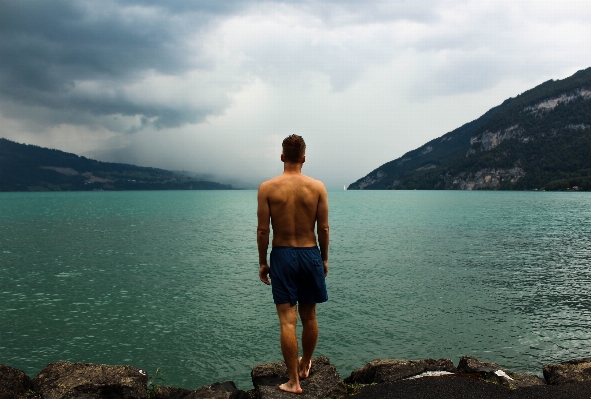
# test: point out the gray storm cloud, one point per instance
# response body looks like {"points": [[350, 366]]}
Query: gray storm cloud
{"points": [[51, 48]]}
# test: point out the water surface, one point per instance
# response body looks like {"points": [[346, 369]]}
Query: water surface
{"points": [[169, 280]]}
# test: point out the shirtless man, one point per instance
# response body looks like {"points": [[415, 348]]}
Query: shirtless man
{"points": [[295, 204]]}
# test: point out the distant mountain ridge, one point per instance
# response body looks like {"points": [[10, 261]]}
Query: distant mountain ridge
{"points": [[540, 139], [31, 168]]}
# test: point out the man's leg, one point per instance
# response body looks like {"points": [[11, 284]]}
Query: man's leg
{"points": [[309, 337], [288, 318]]}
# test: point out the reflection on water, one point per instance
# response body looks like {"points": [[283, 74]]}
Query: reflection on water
{"points": [[169, 280]]}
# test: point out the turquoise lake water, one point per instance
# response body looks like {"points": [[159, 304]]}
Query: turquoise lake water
{"points": [[169, 280]]}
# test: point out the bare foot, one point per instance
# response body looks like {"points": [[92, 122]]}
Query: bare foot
{"points": [[291, 388], [304, 370]]}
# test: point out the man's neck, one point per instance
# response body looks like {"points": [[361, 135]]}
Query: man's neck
{"points": [[292, 167]]}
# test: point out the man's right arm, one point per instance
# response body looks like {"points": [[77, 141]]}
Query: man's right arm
{"points": [[263, 216], [322, 228]]}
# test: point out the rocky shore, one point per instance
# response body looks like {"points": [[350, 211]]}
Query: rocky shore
{"points": [[380, 378]]}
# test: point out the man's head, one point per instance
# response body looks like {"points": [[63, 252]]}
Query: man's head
{"points": [[294, 149]]}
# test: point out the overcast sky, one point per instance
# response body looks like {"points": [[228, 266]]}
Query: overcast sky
{"points": [[213, 87]]}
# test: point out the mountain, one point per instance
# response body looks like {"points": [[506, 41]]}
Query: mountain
{"points": [[540, 139], [32, 168]]}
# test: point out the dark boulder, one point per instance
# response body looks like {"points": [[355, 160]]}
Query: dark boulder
{"points": [[64, 380], [163, 392], [472, 365], [218, 390], [492, 372], [324, 381], [578, 370], [390, 370], [14, 384]]}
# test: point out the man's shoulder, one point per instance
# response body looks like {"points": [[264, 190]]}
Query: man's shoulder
{"points": [[266, 187], [314, 182], [270, 182]]}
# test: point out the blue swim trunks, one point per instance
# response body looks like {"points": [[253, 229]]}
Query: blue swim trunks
{"points": [[297, 275]]}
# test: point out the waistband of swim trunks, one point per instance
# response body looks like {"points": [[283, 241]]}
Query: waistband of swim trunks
{"points": [[297, 248]]}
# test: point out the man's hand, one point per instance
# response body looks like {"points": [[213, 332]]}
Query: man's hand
{"points": [[264, 271], [325, 268]]}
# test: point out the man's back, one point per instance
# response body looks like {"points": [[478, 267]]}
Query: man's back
{"points": [[295, 204]]}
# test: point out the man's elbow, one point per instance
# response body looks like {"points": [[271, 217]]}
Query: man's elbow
{"points": [[323, 229], [263, 231]]}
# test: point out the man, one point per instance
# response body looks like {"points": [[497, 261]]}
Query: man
{"points": [[294, 203]]}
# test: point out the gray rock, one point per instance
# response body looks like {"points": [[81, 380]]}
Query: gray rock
{"points": [[390, 370], [324, 381], [218, 390], [14, 383], [472, 365], [163, 392], [521, 380], [64, 380], [578, 370], [492, 372]]}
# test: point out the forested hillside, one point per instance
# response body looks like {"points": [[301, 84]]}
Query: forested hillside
{"points": [[540, 139], [32, 168]]}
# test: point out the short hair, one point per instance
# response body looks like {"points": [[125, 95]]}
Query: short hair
{"points": [[294, 148]]}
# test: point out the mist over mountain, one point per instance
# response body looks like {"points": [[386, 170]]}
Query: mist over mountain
{"points": [[32, 168], [540, 139]]}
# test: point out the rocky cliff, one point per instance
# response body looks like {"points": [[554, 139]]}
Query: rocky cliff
{"points": [[540, 139]]}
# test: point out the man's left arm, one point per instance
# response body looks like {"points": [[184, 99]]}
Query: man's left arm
{"points": [[263, 216], [322, 228]]}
